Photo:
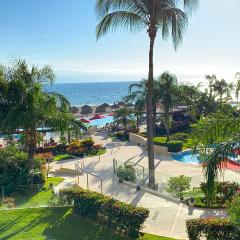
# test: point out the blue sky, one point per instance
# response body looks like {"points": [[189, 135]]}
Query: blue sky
{"points": [[62, 33]]}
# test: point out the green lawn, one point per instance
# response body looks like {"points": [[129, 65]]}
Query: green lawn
{"points": [[54, 223], [61, 157], [34, 198]]}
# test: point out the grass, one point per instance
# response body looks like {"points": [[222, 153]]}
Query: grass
{"points": [[54, 223], [33, 198], [61, 157], [100, 152]]}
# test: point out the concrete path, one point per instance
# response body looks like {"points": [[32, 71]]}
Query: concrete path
{"points": [[167, 218]]}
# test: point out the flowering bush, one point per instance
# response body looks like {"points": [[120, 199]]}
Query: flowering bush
{"points": [[8, 203], [48, 156], [76, 148], [212, 229], [118, 215]]}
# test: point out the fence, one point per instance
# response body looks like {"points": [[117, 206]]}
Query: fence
{"points": [[137, 175], [28, 196]]}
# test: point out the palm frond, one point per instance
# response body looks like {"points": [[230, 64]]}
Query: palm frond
{"points": [[120, 19]]}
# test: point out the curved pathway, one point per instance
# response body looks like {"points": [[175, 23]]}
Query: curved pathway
{"points": [[167, 218]]}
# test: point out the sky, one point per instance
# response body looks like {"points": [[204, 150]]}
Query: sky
{"points": [[61, 33]]}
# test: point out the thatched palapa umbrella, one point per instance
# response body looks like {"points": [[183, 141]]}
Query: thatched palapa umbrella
{"points": [[86, 109], [100, 109]]}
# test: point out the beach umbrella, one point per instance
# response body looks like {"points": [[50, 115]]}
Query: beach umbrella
{"points": [[96, 117], [84, 120], [86, 109], [100, 109], [105, 105]]}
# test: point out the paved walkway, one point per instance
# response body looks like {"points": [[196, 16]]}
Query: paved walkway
{"points": [[167, 218]]}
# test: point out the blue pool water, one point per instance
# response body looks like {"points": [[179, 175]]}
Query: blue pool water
{"points": [[187, 157], [102, 122]]}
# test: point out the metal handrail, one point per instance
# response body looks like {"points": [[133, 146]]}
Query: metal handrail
{"points": [[88, 173]]}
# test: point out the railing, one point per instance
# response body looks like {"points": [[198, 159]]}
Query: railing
{"points": [[79, 167]]}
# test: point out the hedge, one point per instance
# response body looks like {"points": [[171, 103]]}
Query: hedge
{"points": [[212, 229], [175, 146], [120, 216], [160, 141], [58, 149]]}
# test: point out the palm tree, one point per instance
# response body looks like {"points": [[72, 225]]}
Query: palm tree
{"points": [[237, 76], [211, 80], [24, 104], [220, 129], [154, 16], [221, 89], [138, 96], [168, 96], [124, 117]]}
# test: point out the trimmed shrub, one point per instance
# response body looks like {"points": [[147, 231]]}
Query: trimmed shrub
{"points": [[121, 136], [234, 210], [177, 186], [104, 209], [58, 149], [180, 136], [126, 172], [212, 229], [160, 141], [175, 146]]}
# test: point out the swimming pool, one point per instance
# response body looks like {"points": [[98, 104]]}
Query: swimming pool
{"points": [[187, 157], [194, 158], [102, 122]]}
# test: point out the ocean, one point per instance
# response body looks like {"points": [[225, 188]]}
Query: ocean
{"points": [[94, 93]]}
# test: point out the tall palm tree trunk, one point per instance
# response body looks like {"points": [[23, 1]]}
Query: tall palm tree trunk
{"points": [[150, 126], [31, 152]]}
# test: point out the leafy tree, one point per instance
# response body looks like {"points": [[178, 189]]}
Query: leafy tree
{"points": [[168, 97], [155, 16], [178, 185], [222, 89], [220, 130], [234, 210], [25, 105], [237, 87], [124, 117]]}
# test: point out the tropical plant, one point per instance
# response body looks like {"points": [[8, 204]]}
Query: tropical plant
{"points": [[124, 117], [178, 185], [168, 96], [234, 210], [154, 16], [219, 131], [24, 103], [237, 87], [222, 90]]}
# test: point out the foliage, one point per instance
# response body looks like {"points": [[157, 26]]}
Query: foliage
{"points": [[58, 149], [118, 215], [220, 130], [180, 136], [36, 195], [167, 17], [168, 95], [57, 223], [211, 229], [15, 170], [86, 146], [175, 146], [234, 210], [48, 156], [121, 136], [61, 157], [7, 203], [126, 172], [160, 141], [178, 185], [124, 117]]}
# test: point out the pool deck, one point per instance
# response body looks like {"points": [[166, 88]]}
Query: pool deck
{"points": [[167, 217]]}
